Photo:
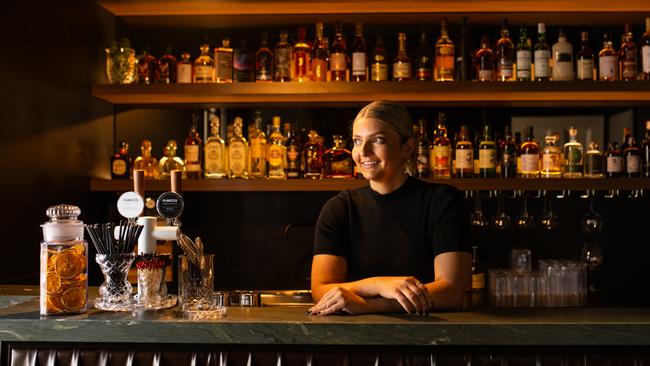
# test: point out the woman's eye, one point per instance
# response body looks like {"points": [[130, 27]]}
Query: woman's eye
{"points": [[379, 140], [356, 142]]}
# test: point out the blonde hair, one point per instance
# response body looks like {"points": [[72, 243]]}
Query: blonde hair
{"points": [[395, 116]]}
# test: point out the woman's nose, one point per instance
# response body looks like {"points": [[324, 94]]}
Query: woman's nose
{"points": [[366, 148]]}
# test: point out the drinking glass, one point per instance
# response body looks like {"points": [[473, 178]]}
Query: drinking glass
{"points": [[477, 218], [592, 256], [525, 220], [592, 223], [548, 220], [521, 260], [195, 280], [501, 220]]}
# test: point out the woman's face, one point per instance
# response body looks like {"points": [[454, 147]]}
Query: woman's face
{"points": [[377, 150]]}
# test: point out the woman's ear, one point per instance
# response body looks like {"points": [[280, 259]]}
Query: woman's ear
{"points": [[408, 147]]}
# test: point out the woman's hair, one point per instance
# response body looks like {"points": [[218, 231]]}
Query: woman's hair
{"points": [[395, 116]]}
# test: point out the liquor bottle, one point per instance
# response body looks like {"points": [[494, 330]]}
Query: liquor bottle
{"points": [[170, 161], [562, 59], [584, 59], [301, 57], [645, 151], [632, 156], [146, 161], [147, 68], [487, 154], [264, 61], [607, 61], [244, 63], [193, 152], [223, 62], [464, 155], [121, 162], [645, 51], [337, 161], [359, 55], [478, 280], [320, 56], [275, 152], [484, 61], [524, 56], [424, 60], [422, 151], [542, 55], [614, 161], [464, 59], [293, 154], [313, 156], [184, 69], [257, 166], [204, 66], [339, 56], [441, 150], [529, 153], [402, 62], [593, 162], [282, 59], [505, 52], [573, 163], [167, 67], [551, 164], [216, 155], [379, 61], [238, 152], [444, 65], [518, 144], [628, 56], [508, 155]]}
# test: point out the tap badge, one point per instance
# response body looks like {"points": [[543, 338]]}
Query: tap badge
{"points": [[170, 205]]}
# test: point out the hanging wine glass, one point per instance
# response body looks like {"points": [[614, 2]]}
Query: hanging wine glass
{"points": [[592, 254], [548, 220], [501, 220], [592, 223], [477, 219], [525, 220]]}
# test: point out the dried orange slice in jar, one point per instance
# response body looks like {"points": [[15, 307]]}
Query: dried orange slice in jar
{"points": [[53, 282], [74, 298], [68, 264], [54, 305], [78, 248]]}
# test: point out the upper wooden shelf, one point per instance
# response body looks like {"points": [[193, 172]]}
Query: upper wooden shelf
{"points": [[449, 94]]}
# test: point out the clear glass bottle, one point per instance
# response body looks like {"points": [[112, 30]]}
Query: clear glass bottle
{"points": [[337, 161], [167, 67], [562, 59], [238, 152], [204, 66], [505, 54], [628, 56], [121, 162], [487, 154], [484, 61], [301, 57], [320, 56], [584, 59], [607, 60], [402, 63], [379, 61], [223, 62], [184, 69], [171, 161], [441, 150], [464, 155], [542, 55], [424, 59], [573, 160], [216, 155], [282, 59], [632, 155], [551, 164], [359, 55], [313, 156], [444, 63], [147, 68], [529, 154], [257, 149], [645, 51], [275, 152], [593, 162], [264, 61], [293, 154], [193, 152], [524, 56], [645, 152], [339, 64], [422, 151], [146, 161], [508, 155], [244, 63], [614, 167]]}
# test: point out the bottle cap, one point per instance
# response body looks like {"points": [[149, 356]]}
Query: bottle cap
{"points": [[541, 28], [170, 205], [63, 224], [130, 205]]}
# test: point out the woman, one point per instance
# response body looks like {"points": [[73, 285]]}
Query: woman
{"points": [[399, 244]]}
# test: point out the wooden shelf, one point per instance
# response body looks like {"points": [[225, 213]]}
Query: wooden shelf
{"points": [[449, 94], [334, 185]]}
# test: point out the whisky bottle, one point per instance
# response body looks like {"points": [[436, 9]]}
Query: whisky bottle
{"points": [[424, 60], [484, 61], [444, 63], [529, 153], [632, 155], [204, 66], [293, 154], [167, 67], [264, 61], [487, 154], [402, 63], [551, 164], [505, 52], [275, 152], [147, 68], [645, 51], [244, 63], [478, 280], [301, 57], [593, 162], [645, 151], [422, 151], [584, 59], [337, 161], [339, 56], [379, 61], [320, 56], [193, 152], [464, 155], [562, 59], [216, 156], [614, 161], [441, 151], [146, 161], [524, 56], [508, 155], [542, 55], [223, 62], [313, 156], [573, 164], [184, 69], [257, 150], [238, 152], [170, 161], [359, 55], [627, 133], [607, 61], [121, 162], [628, 56], [282, 59]]}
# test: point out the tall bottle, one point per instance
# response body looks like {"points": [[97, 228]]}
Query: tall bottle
{"points": [[293, 154], [487, 154], [238, 152], [444, 63], [193, 152], [422, 151], [645, 152], [167, 67], [379, 61], [562, 59], [441, 151], [524, 56], [464, 155], [551, 164], [359, 55], [424, 60], [607, 60], [244, 63], [264, 61], [573, 157], [632, 156], [584, 59], [505, 52], [184, 69], [146, 161], [484, 61], [645, 51], [542, 55], [337, 161], [628, 56], [313, 156], [275, 152], [147, 68], [319, 56], [216, 155], [223, 61], [478, 280], [402, 62], [301, 57], [339, 56], [204, 66], [508, 155], [464, 58], [593, 162], [121, 162], [257, 165], [529, 153], [170, 161], [282, 59], [614, 165]]}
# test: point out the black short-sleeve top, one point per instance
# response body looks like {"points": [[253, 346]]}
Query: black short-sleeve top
{"points": [[396, 234]]}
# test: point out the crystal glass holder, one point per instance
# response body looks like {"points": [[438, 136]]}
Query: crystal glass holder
{"points": [[115, 292]]}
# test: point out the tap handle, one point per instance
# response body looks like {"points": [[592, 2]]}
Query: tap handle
{"points": [[138, 182], [176, 181]]}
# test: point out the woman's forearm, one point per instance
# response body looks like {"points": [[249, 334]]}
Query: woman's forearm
{"points": [[445, 294]]}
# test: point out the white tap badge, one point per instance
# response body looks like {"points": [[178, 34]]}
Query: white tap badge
{"points": [[130, 205]]}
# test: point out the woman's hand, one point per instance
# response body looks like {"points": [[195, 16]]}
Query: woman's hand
{"points": [[340, 299], [408, 291]]}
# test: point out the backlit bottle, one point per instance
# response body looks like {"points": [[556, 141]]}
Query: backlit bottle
{"points": [[628, 56], [584, 59], [379, 61], [216, 155], [402, 63], [508, 155], [359, 55], [607, 61], [424, 60], [444, 62], [275, 152], [319, 56], [264, 61], [121, 162], [146, 161], [551, 164], [484, 61], [204, 66], [464, 155], [573, 157], [339, 56], [529, 153], [223, 62], [487, 154], [301, 57], [337, 161], [441, 150], [282, 59], [238, 152], [171, 161], [193, 152], [313, 156], [504, 53]]}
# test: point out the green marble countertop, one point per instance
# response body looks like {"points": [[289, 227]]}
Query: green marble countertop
{"points": [[290, 325]]}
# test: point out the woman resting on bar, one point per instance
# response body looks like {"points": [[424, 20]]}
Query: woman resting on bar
{"points": [[399, 244]]}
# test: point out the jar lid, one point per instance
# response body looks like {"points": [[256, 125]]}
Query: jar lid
{"points": [[63, 213]]}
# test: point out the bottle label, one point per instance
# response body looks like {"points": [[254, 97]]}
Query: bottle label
{"points": [[313, 163], [213, 158], [275, 157], [551, 162], [223, 60], [486, 75], [593, 164], [441, 157], [358, 63], [264, 66], [422, 160], [614, 164], [478, 281], [573, 158], [257, 157], [318, 70], [282, 63], [203, 73], [628, 68], [338, 62], [340, 168], [585, 69], [529, 162], [237, 158], [184, 73], [464, 159], [423, 74], [632, 164], [191, 154], [444, 69], [523, 64], [563, 67], [301, 63], [607, 66], [487, 159], [445, 50], [541, 63], [645, 56], [293, 157], [505, 69], [564, 57], [401, 70], [379, 72], [119, 167]]}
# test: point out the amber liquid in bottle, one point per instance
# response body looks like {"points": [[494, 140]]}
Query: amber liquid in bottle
{"points": [[584, 59], [223, 62], [484, 61], [423, 62], [193, 152], [282, 59], [379, 61], [628, 56], [444, 62], [264, 61], [464, 155], [529, 152], [359, 55], [339, 56], [319, 57], [645, 51], [301, 57], [505, 54], [508, 155], [402, 63], [607, 61]]}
